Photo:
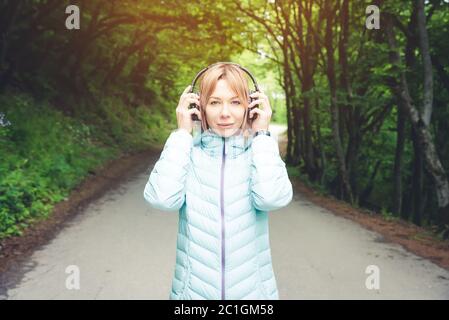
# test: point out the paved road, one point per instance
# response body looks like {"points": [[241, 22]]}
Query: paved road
{"points": [[124, 249]]}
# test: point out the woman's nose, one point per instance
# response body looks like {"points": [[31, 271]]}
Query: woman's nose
{"points": [[225, 110]]}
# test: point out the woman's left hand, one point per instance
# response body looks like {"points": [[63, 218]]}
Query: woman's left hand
{"points": [[264, 111]]}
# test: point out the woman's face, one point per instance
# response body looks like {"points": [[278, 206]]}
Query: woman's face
{"points": [[224, 110]]}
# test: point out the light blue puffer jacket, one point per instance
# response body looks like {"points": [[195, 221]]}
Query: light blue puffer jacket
{"points": [[223, 189]]}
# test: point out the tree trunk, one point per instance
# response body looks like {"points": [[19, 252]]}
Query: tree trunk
{"points": [[417, 178], [433, 163], [397, 171], [333, 103], [427, 63]]}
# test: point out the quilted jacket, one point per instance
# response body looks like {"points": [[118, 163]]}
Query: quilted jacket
{"points": [[224, 188]]}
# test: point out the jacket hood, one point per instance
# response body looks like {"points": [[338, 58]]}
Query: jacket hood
{"points": [[212, 143]]}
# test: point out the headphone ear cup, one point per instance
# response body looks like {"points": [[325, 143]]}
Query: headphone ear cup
{"points": [[193, 105], [255, 106]]}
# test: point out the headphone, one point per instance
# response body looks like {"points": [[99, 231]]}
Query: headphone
{"points": [[256, 87]]}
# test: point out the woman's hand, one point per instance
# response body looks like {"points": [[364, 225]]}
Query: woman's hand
{"points": [[264, 111], [183, 113]]}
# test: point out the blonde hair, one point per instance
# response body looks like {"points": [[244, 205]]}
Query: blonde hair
{"points": [[236, 79]]}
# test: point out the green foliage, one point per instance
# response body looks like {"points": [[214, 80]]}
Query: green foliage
{"points": [[115, 83], [45, 154], [295, 172], [388, 216], [111, 87]]}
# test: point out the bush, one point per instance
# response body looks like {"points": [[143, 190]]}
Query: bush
{"points": [[45, 154]]}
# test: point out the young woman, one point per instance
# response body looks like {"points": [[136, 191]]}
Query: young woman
{"points": [[224, 185]]}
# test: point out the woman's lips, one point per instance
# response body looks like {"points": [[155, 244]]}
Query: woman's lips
{"points": [[226, 125]]}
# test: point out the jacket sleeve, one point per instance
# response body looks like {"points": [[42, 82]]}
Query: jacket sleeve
{"points": [[271, 188], [165, 188]]}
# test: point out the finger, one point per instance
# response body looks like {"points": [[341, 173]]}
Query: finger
{"points": [[193, 100], [192, 95], [266, 112], [187, 89], [255, 110], [195, 111], [258, 101], [257, 93], [254, 94], [260, 96], [263, 113]]}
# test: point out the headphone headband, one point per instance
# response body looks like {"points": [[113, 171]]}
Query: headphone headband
{"points": [[232, 63]]}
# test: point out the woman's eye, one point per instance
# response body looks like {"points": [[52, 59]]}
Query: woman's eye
{"points": [[234, 102]]}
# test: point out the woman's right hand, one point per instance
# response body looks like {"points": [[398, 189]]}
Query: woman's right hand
{"points": [[183, 113]]}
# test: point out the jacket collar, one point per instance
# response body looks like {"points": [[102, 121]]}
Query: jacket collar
{"points": [[212, 143]]}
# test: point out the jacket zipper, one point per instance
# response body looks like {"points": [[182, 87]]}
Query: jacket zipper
{"points": [[222, 223]]}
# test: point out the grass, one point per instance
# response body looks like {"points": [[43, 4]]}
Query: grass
{"points": [[45, 154]]}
